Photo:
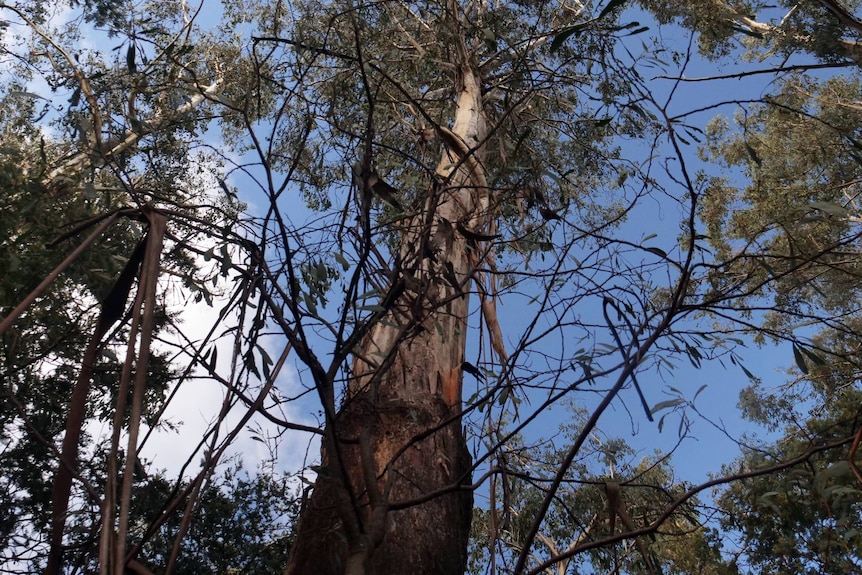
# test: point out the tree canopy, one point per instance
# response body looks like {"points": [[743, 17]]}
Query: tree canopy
{"points": [[434, 259]]}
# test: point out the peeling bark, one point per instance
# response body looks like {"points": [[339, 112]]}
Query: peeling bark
{"points": [[393, 495]]}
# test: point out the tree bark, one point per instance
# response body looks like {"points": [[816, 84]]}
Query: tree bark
{"points": [[397, 437]]}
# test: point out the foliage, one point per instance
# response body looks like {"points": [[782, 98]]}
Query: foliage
{"points": [[582, 193], [805, 518], [241, 525], [580, 517], [59, 183]]}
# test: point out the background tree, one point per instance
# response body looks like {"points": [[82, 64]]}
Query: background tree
{"points": [[609, 491], [453, 157], [116, 145]]}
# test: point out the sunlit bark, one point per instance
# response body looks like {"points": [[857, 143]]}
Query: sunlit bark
{"points": [[393, 497]]}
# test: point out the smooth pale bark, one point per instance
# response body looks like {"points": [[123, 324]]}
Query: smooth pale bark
{"points": [[407, 385]]}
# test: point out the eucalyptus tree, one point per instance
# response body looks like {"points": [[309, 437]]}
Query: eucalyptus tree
{"points": [[524, 100], [786, 213], [451, 148], [604, 493], [98, 156], [453, 158], [451, 137]]}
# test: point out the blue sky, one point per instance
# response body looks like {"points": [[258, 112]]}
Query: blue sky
{"points": [[708, 445]]}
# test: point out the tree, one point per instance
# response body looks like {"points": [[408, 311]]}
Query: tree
{"points": [[804, 519], [242, 524], [608, 492], [368, 104], [452, 158], [76, 204]]}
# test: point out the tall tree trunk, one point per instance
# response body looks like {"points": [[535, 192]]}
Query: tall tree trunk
{"points": [[398, 438]]}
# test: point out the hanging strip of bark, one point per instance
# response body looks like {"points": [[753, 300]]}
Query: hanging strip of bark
{"points": [[149, 280], [112, 310], [112, 544]]}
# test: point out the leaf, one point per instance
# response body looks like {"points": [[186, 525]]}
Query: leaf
{"points": [[800, 359], [339, 257], [839, 468], [666, 405], [265, 356], [213, 359], [267, 372], [657, 251], [321, 470], [566, 34], [638, 30], [309, 303], [694, 356], [701, 388], [813, 357], [368, 294], [749, 374], [22, 94], [471, 369], [611, 5], [251, 365], [830, 208], [130, 59]]}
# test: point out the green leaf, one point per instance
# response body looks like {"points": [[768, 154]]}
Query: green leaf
{"points": [[837, 469], [309, 303], [251, 365], [749, 374], [130, 58], [830, 208], [213, 359], [666, 405], [638, 30], [265, 356], [22, 94], [611, 5], [321, 470], [566, 34], [813, 357], [800, 359], [339, 257], [657, 251], [368, 294]]}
